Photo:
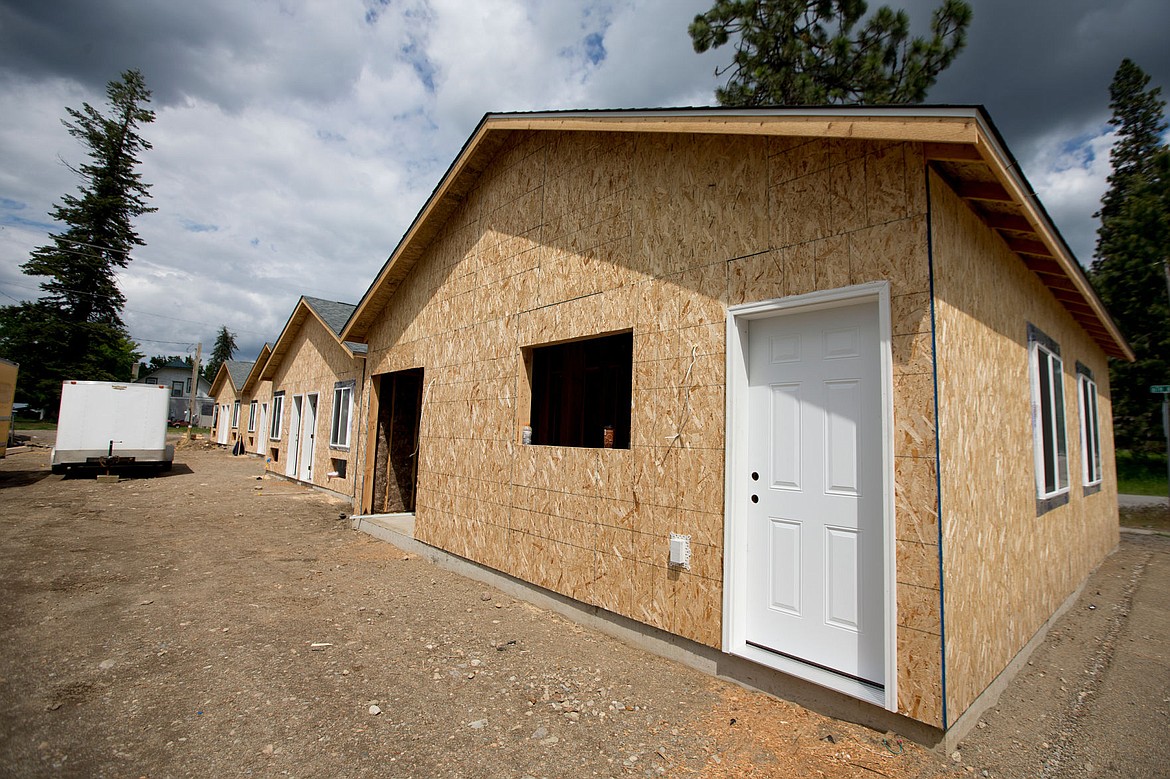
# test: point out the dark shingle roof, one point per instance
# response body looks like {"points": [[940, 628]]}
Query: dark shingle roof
{"points": [[334, 313], [238, 370]]}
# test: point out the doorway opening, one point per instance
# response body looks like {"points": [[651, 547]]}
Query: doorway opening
{"points": [[396, 410]]}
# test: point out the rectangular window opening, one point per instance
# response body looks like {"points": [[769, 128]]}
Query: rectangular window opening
{"points": [[1091, 469], [1048, 420], [252, 416], [581, 392], [235, 414], [176, 389], [277, 417], [342, 411]]}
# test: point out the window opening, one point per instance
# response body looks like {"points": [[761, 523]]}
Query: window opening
{"points": [[252, 416], [1048, 422], [342, 410], [581, 392], [277, 416], [1091, 470]]}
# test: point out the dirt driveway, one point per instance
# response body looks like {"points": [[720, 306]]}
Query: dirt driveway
{"points": [[211, 623]]}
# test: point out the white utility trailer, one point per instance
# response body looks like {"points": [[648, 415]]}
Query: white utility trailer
{"points": [[112, 425]]}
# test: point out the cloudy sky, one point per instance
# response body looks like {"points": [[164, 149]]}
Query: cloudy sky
{"points": [[296, 139]]}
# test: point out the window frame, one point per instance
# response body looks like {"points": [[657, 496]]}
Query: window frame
{"points": [[1092, 468], [277, 416], [235, 415], [177, 391], [252, 407], [1049, 421], [343, 392]]}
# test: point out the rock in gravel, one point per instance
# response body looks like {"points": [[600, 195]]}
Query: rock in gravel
{"points": [[375, 710], [540, 733], [478, 724]]}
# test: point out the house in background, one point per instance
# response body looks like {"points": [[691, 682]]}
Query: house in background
{"points": [[315, 379], [225, 426], [823, 390], [176, 374]]}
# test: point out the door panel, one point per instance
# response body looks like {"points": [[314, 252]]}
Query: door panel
{"points": [[815, 524]]}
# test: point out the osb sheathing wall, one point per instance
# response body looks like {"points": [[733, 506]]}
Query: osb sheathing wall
{"points": [[314, 363], [226, 400], [262, 394], [568, 235], [1006, 567]]}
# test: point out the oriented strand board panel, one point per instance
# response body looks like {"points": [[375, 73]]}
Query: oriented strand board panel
{"points": [[224, 401], [315, 363], [1006, 568], [568, 235]]}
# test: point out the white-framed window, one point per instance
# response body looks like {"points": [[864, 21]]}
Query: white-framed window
{"points": [[152, 380], [277, 416], [1048, 420], [342, 411], [1091, 470], [188, 386], [176, 389], [252, 416], [236, 414]]}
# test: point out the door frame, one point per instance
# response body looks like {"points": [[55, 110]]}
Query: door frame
{"points": [[307, 457], [293, 448], [735, 584]]}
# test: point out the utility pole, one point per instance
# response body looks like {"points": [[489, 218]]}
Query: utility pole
{"points": [[194, 391]]}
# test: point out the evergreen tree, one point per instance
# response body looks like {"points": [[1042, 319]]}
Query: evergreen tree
{"points": [[224, 350], [75, 331], [1133, 248], [805, 52]]}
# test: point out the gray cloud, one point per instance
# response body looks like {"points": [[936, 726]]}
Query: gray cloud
{"points": [[295, 141]]}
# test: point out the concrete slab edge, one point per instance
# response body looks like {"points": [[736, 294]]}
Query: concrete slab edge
{"points": [[704, 659]]}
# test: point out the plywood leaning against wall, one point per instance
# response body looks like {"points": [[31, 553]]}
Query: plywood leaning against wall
{"points": [[568, 235], [1007, 567]]}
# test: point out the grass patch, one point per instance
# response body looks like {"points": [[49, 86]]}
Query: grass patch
{"points": [[1141, 474]]}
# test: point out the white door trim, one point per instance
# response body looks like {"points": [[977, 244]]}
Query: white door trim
{"points": [[735, 539]]}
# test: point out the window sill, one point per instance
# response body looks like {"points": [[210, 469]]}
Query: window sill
{"points": [[1044, 505], [1092, 489]]}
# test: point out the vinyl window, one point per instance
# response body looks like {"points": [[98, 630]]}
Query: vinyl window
{"points": [[236, 414], [342, 410], [252, 416], [277, 416], [176, 389], [1048, 421], [1091, 471]]}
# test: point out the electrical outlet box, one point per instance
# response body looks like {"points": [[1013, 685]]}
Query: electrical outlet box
{"points": [[680, 551]]}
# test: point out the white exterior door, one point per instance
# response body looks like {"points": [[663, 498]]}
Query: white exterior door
{"points": [[262, 429], [308, 438], [294, 436], [812, 485], [224, 423]]}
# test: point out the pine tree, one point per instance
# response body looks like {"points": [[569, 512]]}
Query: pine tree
{"points": [[224, 350], [1133, 248], [75, 331], [804, 52]]}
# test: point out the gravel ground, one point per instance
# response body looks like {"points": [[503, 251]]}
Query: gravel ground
{"points": [[211, 622]]}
